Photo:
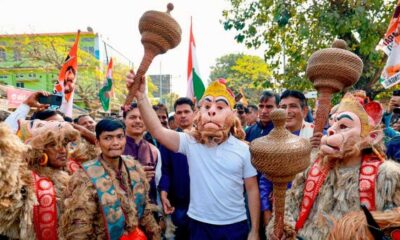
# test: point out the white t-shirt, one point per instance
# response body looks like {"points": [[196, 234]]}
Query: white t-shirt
{"points": [[216, 179]]}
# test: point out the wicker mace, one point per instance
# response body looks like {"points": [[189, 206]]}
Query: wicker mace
{"points": [[280, 156], [160, 33], [331, 70]]}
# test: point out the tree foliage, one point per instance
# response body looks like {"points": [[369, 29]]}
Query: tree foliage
{"points": [[48, 52], [120, 71], [298, 28], [170, 99], [248, 72]]}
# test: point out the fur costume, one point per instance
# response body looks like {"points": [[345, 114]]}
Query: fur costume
{"points": [[16, 195], [18, 162], [355, 226], [334, 200], [83, 218], [82, 152], [340, 191]]}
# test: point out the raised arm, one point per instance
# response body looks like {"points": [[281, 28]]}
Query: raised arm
{"points": [[166, 137]]}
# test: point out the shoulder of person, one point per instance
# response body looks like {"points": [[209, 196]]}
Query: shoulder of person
{"points": [[237, 142], [389, 170], [188, 137], [80, 180], [131, 161]]}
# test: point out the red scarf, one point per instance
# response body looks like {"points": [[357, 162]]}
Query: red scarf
{"points": [[45, 213], [316, 178]]}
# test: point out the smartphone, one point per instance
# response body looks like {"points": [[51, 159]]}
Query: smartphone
{"points": [[52, 100]]}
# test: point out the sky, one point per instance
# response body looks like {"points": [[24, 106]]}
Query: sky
{"points": [[117, 23]]}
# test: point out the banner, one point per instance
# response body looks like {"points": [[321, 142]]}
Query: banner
{"points": [[390, 44], [16, 96]]}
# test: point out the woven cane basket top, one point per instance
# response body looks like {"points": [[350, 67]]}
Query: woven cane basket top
{"points": [[334, 67], [159, 30], [280, 155]]}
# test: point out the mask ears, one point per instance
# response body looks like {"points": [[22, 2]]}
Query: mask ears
{"points": [[237, 129], [374, 111], [375, 137]]}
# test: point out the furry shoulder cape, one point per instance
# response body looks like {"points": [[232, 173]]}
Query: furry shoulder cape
{"points": [[339, 195]]}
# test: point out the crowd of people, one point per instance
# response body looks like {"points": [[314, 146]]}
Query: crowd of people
{"points": [[148, 174]]}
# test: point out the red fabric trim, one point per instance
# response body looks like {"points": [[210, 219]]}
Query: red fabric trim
{"points": [[367, 181], [136, 234], [317, 175], [45, 213], [72, 166]]}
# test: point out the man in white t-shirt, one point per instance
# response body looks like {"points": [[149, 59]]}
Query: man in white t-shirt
{"points": [[219, 165]]}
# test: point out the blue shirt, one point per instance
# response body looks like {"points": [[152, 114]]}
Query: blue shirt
{"points": [[388, 131], [258, 130], [175, 177]]}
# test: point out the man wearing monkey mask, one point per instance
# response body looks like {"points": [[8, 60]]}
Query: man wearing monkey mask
{"points": [[219, 165], [349, 171]]}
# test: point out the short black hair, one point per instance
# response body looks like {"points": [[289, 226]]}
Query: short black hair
{"points": [[131, 107], [265, 95], [240, 107], [68, 119], [253, 107], [171, 118], [184, 100], [160, 107], [295, 94], [76, 120], [396, 93], [43, 115], [109, 125]]}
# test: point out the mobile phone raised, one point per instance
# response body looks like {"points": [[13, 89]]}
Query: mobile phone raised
{"points": [[52, 100]]}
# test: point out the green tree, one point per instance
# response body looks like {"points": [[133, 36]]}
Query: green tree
{"points": [[295, 29], [49, 53], [248, 72], [222, 68], [119, 86], [170, 99]]}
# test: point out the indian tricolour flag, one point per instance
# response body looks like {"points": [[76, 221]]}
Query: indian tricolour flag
{"points": [[195, 88], [105, 91]]}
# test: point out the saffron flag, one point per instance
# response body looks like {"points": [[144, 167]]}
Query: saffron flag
{"points": [[390, 44], [65, 85], [195, 86], [105, 91]]}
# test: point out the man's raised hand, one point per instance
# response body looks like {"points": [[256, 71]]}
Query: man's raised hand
{"points": [[140, 86], [33, 100]]}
